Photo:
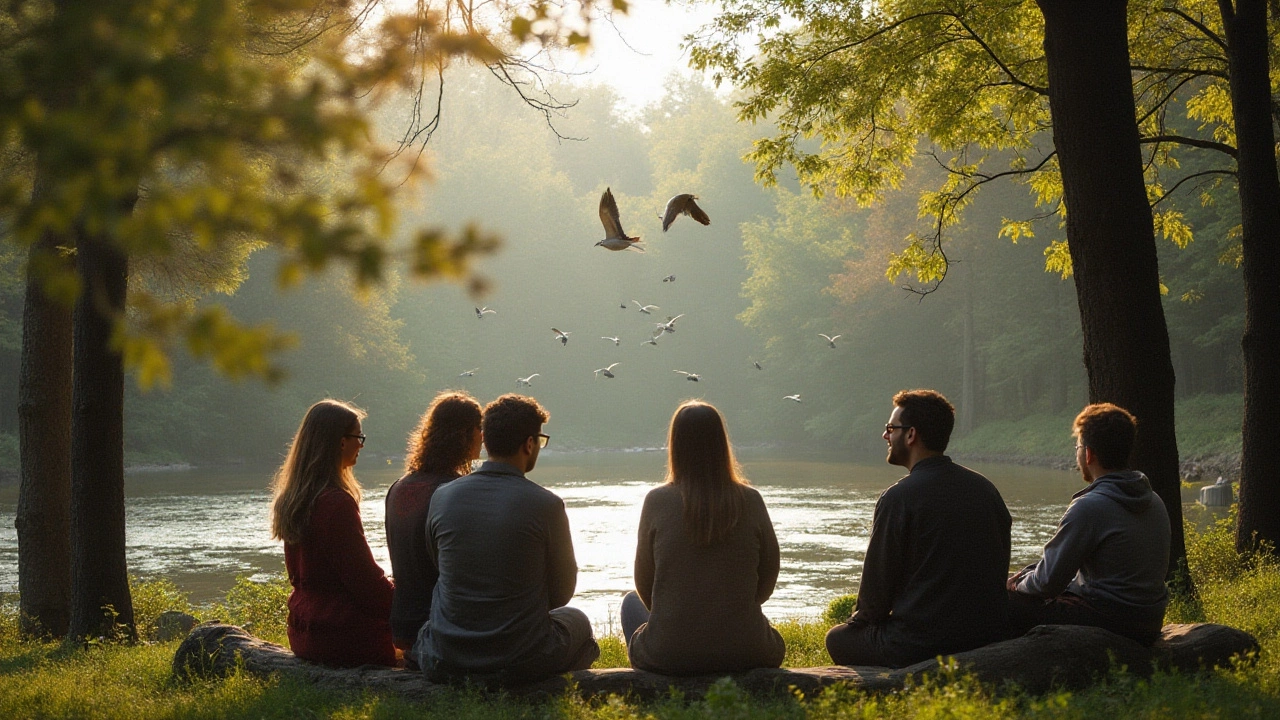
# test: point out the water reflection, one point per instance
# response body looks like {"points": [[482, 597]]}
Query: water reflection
{"points": [[201, 528]]}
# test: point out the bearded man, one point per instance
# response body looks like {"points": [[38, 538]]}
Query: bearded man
{"points": [[933, 582]]}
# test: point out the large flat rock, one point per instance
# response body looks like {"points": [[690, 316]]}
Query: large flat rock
{"points": [[1067, 656]]}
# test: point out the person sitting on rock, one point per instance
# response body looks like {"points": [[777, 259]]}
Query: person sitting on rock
{"points": [[341, 599], [502, 548], [706, 559], [1105, 566], [441, 449], [936, 562]]}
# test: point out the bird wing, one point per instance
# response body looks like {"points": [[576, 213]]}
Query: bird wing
{"points": [[673, 319], [692, 210], [825, 336], [533, 376], [613, 366], [675, 206], [836, 338], [609, 216], [558, 333]]}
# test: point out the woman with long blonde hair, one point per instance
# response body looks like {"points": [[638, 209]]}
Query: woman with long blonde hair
{"points": [[441, 449], [341, 599], [706, 559]]}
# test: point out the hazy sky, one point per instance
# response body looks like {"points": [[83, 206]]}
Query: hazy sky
{"points": [[640, 49]]}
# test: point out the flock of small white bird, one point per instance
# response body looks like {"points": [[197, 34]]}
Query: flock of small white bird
{"points": [[617, 239]]}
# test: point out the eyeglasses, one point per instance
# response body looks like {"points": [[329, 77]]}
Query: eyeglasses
{"points": [[889, 428], [543, 439], [1079, 447], [359, 438]]}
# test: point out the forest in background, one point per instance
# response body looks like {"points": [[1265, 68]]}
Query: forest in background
{"points": [[776, 267]]}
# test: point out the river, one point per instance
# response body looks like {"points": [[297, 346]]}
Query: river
{"points": [[202, 527]]}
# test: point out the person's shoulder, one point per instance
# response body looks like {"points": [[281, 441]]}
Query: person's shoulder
{"points": [[334, 501]]}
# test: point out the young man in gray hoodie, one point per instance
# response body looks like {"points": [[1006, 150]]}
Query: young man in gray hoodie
{"points": [[1105, 566]]}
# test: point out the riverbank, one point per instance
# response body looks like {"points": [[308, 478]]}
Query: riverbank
{"points": [[1208, 429], [108, 680]]}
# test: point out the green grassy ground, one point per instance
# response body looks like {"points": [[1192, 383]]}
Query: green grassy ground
{"points": [[108, 680], [1206, 425]]}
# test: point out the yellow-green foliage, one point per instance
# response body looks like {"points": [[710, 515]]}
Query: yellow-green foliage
{"points": [[261, 607], [152, 597]]}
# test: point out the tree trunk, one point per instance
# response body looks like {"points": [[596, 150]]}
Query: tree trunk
{"points": [[1112, 241], [99, 577], [43, 517], [1246, 30]]}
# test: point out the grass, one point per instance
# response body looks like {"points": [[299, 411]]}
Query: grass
{"points": [[107, 680], [1206, 425]]}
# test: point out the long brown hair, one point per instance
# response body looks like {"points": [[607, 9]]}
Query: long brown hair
{"points": [[700, 463], [314, 463], [442, 440]]}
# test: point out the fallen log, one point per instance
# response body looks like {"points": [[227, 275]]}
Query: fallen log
{"points": [[1050, 656]]}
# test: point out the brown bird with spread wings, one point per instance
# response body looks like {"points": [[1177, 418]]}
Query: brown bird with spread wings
{"points": [[683, 205], [614, 236]]}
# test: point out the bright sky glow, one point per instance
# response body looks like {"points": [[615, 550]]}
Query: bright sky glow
{"points": [[638, 51]]}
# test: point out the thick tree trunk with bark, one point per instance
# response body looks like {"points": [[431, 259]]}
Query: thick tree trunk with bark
{"points": [[99, 577], [1112, 241], [44, 439], [1246, 30]]}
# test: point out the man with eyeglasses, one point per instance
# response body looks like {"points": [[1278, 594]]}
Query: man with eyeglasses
{"points": [[935, 568], [502, 547], [1105, 565]]}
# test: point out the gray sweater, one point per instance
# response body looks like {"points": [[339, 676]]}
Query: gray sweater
{"points": [[502, 546], [1111, 547]]}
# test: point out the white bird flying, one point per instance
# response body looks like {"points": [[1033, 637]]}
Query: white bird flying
{"points": [[683, 205], [482, 311], [831, 339], [669, 278], [669, 325], [563, 337], [795, 397], [691, 377], [607, 372], [614, 339], [645, 308], [614, 236], [651, 341], [469, 373], [757, 364], [526, 381]]}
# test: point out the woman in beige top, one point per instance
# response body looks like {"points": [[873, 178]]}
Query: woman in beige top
{"points": [[706, 559]]}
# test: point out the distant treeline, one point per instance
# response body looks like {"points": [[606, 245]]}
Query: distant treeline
{"points": [[776, 267]]}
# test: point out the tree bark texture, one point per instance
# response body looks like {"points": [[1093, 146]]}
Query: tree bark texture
{"points": [[1050, 656], [1111, 237], [99, 576], [1246, 30], [43, 517]]}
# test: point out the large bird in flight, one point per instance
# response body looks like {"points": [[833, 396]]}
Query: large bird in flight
{"points": [[683, 205], [615, 238]]}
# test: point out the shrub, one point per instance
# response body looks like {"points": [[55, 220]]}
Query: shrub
{"points": [[152, 597], [840, 609], [261, 607]]}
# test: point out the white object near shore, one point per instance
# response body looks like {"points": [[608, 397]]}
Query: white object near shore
{"points": [[1218, 494]]}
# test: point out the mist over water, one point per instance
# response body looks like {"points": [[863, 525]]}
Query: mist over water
{"points": [[201, 528]]}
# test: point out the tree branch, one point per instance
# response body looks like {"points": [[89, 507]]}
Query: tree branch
{"points": [[1192, 176], [1193, 142], [1197, 25]]}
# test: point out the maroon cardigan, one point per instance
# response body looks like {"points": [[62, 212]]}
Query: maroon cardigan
{"points": [[340, 608]]}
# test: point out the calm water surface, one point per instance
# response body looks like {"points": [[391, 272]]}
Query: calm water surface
{"points": [[203, 527]]}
